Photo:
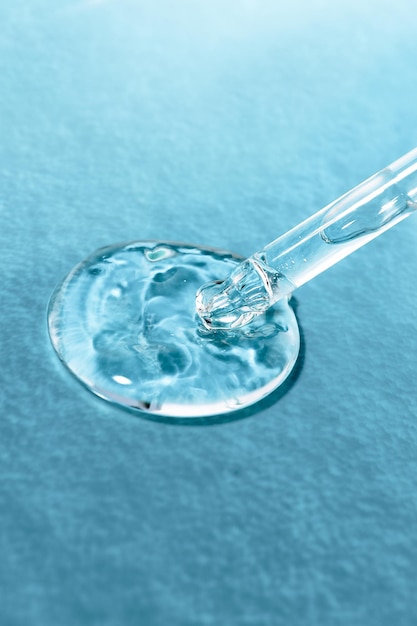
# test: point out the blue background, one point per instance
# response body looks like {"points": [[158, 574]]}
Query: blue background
{"points": [[219, 123]]}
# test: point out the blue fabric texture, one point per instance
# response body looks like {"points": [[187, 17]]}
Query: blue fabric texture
{"points": [[216, 123]]}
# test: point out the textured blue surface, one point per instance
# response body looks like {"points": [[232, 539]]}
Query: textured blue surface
{"points": [[222, 124]]}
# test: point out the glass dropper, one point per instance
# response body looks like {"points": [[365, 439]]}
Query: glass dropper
{"points": [[334, 232]]}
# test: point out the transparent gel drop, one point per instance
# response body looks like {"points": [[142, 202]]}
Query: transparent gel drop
{"points": [[124, 323]]}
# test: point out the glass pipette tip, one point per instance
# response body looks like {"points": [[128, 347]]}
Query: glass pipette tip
{"points": [[325, 238]]}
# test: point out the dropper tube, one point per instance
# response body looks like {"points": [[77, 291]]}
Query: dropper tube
{"points": [[337, 230]]}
